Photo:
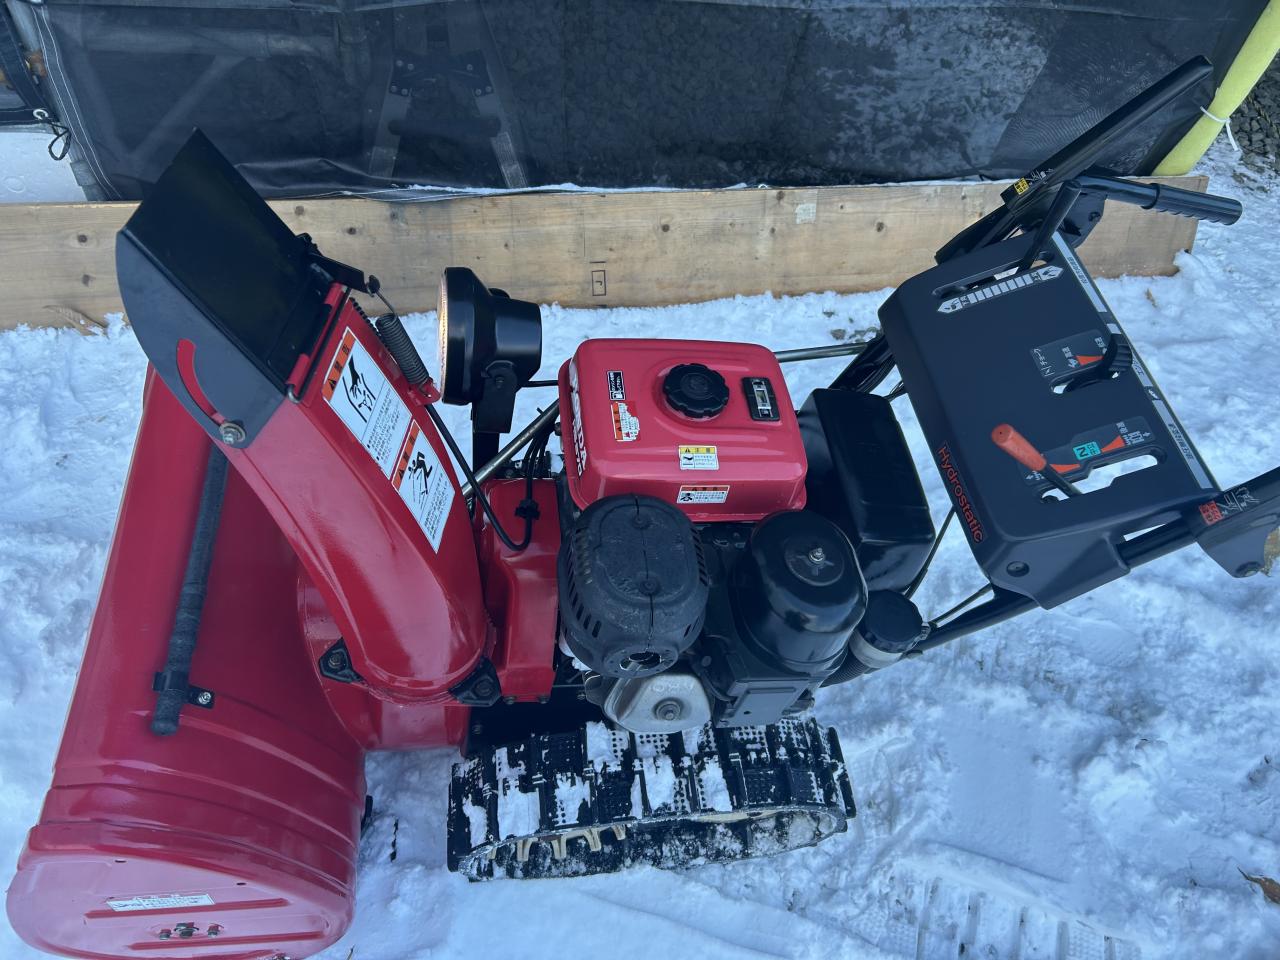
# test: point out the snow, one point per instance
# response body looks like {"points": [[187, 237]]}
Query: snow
{"points": [[29, 174], [1087, 781]]}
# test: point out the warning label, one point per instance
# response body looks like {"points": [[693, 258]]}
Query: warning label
{"points": [[161, 902], [703, 493], [424, 485], [364, 399], [698, 457], [617, 387], [626, 425]]}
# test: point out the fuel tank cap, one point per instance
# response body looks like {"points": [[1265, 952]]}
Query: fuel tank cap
{"points": [[695, 390]]}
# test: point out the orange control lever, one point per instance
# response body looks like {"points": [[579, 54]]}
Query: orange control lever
{"points": [[1019, 447]]}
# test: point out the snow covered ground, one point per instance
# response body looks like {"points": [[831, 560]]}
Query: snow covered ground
{"points": [[29, 175], [1082, 783]]}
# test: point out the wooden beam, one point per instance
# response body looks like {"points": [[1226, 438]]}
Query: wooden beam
{"points": [[57, 261]]}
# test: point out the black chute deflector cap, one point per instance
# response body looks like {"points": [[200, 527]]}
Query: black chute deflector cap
{"points": [[204, 259]]}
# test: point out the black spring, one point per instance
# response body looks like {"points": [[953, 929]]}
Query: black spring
{"points": [[396, 339]]}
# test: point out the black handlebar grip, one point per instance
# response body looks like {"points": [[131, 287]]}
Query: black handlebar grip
{"points": [[1189, 203]]}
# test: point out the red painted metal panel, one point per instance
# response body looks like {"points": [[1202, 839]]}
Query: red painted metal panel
{"points": [[412, 615], [250, 812], [375, 722], [520, 589]]}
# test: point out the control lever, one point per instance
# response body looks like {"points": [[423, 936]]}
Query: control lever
{"points": [[1117, 358], [1068, 194], [1017, 446]]}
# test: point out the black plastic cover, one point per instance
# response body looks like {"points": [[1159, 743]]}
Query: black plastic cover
{"points": [[370, 96], [861, 476], [204, 260], [798, 592], [978, 348], [892, 623], [633, 586], [786, 598]]}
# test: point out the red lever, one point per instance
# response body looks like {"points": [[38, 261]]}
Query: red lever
{"points": [[1017, 446]]}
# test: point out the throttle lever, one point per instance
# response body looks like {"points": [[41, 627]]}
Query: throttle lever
{"points": [[1116, 359]]}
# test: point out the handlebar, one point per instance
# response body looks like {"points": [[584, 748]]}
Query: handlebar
{"points": [[1026, 203], [1166, 199], [1082, 152]]}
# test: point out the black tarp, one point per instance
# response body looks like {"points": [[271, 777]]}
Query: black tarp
{"points": [[314, 98]]}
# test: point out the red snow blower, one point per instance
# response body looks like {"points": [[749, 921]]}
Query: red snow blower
{"points": [[624, 639]]}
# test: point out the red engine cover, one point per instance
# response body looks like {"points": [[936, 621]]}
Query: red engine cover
{"points": [[622, 435]]}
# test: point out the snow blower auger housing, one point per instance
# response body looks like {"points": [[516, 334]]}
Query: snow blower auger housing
{"points": [[624, 641]]}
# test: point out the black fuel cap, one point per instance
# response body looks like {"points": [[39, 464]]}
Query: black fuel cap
{"points": [[695, 390]]}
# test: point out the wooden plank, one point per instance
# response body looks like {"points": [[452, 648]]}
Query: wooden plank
{"points": [[57, 261]]}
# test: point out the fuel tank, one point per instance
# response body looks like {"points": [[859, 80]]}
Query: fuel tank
{"points": [[706, 426]]}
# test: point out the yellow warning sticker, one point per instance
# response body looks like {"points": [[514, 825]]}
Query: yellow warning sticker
{"points": [[698, 457]]}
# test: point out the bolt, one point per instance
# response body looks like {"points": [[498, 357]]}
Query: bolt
{"points": [[394, 89], [214, 929], [231, 433], [668, 710], [508, 700], [336, 660], [165, 934], [817, 555], [204, 698], [483, 688]]}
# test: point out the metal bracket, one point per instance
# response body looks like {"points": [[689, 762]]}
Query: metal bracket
{"points": [[196, 696], [335, 663], [481, 688]]}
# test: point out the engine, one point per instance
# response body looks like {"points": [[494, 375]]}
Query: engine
{"points": [[723, 555]]}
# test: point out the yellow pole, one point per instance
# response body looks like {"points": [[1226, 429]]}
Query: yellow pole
{"points": [[1259, 49]]}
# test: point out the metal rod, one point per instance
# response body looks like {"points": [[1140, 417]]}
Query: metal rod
{"points": [[518, 442], [996, 610], [980, 592], [924, 568], [821, 353]]}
